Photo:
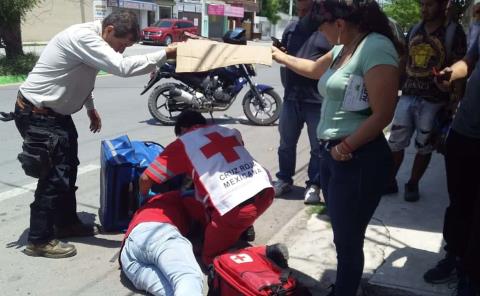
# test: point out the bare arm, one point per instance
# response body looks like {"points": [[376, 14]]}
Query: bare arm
{"points": [[382, 87], [145, 183], [304, 67], [448, 75], [460, 69]]}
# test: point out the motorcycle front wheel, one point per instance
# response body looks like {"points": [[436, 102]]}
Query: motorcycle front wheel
{"points": [[163, 108], [265, 111]]}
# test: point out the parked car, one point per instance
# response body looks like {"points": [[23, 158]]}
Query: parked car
{"points": [[166, 31]]}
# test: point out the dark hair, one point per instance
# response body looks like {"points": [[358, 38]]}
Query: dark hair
{"points": [[125, 23], [366, 14], [187, 119]]}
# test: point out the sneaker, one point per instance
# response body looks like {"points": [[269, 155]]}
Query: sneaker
{"points": [[52, 249], [392, 188], [411, 193], [281, 187], [248, 235], [76, 230], [312, 195], [278, 253], [443, 272]]}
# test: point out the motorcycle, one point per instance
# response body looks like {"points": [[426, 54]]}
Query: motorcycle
{"points": [[211, 91]]}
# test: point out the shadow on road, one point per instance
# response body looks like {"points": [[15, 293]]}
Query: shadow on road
{"points": [[21, 242], [128, 284], [296, 194], [216, 120]]}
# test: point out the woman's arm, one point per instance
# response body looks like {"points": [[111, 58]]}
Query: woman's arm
{"points": [[304, 67], [382, 86]]}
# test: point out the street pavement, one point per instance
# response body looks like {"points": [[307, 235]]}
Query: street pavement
{"points": [[403, 239]]}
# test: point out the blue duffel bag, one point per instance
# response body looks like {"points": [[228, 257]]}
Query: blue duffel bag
{"points": [[122, 163]]}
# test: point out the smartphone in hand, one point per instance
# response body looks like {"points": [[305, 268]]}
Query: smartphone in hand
{"points": [[278, 44], [445, 76]]}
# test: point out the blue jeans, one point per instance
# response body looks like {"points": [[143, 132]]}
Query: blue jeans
{"points": [[352, 191], [414, 114], [156, 258], [292, 119]]}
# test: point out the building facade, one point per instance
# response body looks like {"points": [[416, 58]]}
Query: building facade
{"points": [[53, 16]]}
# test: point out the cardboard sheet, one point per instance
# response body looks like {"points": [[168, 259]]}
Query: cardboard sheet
{"points": [[204, 55]]}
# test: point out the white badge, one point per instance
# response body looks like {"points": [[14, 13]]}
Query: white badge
{"points": [[356, 97]]}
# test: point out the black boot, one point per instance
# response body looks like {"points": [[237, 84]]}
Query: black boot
{"points": [[332, 290], [248, 235], [278, 253]]}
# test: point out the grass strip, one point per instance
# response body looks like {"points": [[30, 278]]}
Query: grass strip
{"points": [[9, 79]]}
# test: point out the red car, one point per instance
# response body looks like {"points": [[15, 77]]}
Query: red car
{"points": [[166, 31]]}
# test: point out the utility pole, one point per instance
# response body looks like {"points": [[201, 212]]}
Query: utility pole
{"points": [[290, 9]]}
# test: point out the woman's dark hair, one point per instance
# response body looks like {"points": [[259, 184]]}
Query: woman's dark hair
{"points": [[125, 24], [366, 14], [188, 119]]}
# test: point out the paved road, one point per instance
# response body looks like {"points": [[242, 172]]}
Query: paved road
{"points": [[94, 270]]}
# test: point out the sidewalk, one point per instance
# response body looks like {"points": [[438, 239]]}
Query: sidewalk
{"points": [[403, 240]]}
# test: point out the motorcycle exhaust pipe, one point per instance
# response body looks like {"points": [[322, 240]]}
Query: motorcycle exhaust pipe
{"points": [[185, 97]]}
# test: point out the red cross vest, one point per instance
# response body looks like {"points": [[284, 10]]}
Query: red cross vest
{"points": [[225, 168]]}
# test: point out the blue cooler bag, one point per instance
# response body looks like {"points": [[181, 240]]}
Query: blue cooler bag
{"points": [[122, 163]]}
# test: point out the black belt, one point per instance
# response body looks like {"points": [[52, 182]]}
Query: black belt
{"points": [[28, 106], [328, 144], [252, 199], [249, 201]]}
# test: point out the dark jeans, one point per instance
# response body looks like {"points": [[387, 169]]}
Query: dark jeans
{"points": [[461, 228], [352, 191], [55, 200], [294, 116]]}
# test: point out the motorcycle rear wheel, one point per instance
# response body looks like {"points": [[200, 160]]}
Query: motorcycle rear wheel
{"points": [[266, 114], [160, 105]]}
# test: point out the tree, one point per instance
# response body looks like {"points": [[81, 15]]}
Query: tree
{"points": [[270, 8], [284, 6], [11, 14], [405, 12]]}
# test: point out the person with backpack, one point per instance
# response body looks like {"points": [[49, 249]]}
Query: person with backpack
{"points": [[155, 255], [432, 44], [233, 187]]}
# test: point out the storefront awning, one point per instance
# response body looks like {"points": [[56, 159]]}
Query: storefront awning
{"points": [[248, 5], [225, 10], [132, 4]]}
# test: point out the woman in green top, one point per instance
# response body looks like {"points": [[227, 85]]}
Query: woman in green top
{"points": [[358, 80]]}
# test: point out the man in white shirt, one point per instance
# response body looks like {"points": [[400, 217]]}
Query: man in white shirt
{"points": [[59, 85]]}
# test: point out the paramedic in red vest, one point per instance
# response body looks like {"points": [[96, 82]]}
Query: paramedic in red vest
{"points": [[234, 188], [156, 257]]}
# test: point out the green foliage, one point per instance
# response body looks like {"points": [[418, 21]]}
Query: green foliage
{"points": [[317, 209], [284, 6], [270, 8], [11, 9], [405, 12], [21, 65]]}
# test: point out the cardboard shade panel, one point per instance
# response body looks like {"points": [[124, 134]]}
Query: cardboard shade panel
{"points": [[204, 55]]}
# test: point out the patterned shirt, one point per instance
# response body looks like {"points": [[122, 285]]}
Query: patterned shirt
{"points": [[425, 52]]}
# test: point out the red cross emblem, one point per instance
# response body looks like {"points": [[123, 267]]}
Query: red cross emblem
{"points": [[241, 258], [223, 145]]}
